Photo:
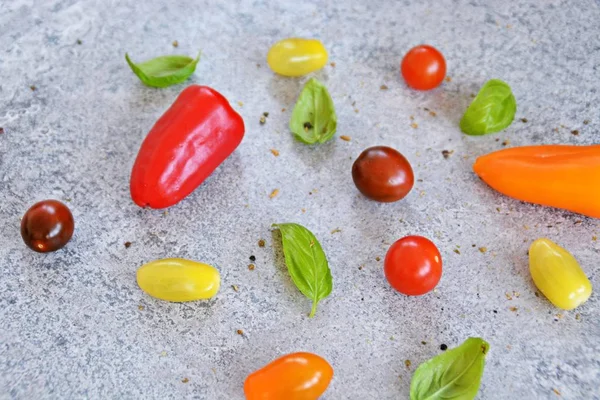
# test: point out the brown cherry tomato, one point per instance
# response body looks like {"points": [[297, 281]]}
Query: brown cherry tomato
{"points": [[382, 174], [47, 226], [296, 376]]}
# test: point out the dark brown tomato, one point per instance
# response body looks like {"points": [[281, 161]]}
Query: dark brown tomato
{"points": [[382, 174], [47, 226]]}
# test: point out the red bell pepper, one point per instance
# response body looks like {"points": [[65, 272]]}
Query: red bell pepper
{"points": [[191, 139]]}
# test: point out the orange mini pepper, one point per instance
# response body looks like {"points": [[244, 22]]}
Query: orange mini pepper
{"points": [[561, 176], [296, 376]]}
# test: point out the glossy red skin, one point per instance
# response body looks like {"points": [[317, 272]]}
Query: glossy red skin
{"points": [[383, 174], [423, 67], [47, 226], [191, 139], [413, 265]]}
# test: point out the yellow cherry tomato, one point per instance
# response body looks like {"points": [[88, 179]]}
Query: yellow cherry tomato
{"points": [[177, 279], [297, 57], [558, 275]]}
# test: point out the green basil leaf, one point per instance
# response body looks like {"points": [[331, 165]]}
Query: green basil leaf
{"points": [[492, 110], [306, 262], [164, 71], [313, 119], [453, 375]]}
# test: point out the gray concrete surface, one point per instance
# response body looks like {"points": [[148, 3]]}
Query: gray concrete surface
{"points": [[74, 324]]}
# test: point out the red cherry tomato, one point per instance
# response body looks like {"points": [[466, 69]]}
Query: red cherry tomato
{"points": [[423, 67], [413, 265]]}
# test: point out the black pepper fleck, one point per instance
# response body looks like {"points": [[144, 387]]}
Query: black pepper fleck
{"points": [[252, 258], [495, 311], [447, 153], [524, 120], [443, 347], [1, 131], [307, 126]]}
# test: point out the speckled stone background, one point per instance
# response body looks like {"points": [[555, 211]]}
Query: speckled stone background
{"points": [[74, 324]]}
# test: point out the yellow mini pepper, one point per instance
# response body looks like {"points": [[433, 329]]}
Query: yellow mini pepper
{"points": [[557, 274], [177, 279], [297, 57]]}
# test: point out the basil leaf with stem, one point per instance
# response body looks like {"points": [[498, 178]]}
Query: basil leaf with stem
{"points": [[314, 119], [453, 375], [164, 71], [492, 110], [306, 262]]}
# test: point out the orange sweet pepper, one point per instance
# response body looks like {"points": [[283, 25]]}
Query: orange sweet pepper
{"points": [[296, 376], [561, 176]]}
